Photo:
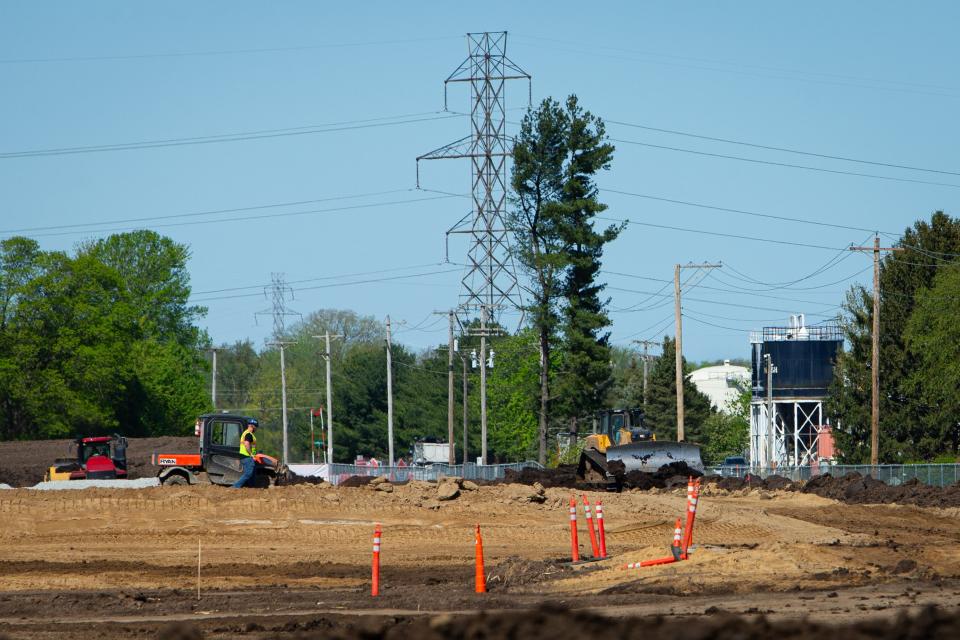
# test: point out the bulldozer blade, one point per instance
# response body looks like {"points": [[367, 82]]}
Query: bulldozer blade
{"points": [[650, 456]]}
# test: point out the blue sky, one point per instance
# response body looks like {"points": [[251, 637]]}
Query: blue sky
{"points": [[837, 79]]}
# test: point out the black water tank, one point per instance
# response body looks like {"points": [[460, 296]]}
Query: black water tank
{"points": [[804, 367]]}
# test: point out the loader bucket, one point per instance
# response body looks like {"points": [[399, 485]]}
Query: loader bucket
{"points": [[650, 456]]}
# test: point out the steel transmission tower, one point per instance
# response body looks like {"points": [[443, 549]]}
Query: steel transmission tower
{"points": [[489, 280], [277, 292]]}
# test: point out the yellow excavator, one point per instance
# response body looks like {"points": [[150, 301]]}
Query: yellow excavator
{"points": [[623, 444]]}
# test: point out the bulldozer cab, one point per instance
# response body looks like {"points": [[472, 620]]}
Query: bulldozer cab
{"points": [[624, 426]]}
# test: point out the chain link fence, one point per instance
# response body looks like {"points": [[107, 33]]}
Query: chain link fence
{"points": [[940, 475], [338, 473]]}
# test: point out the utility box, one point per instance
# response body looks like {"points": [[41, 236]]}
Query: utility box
{"points": [[427, 453]]}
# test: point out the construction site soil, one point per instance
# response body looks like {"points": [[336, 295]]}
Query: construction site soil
{"points": [[23, 463], [771, 559]]}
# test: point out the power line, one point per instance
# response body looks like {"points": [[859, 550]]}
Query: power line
{"points": [[737, 289], [764, 72], [221, 52], [686, 203], [719, 326], [813, 288], [668, 319], [711, 324], [208, 212], [285, 214], [723, 235], [754, 320], [784, 164], [728, 304], [835, 260], [413, 366], [782, 149], [346, 125], [343, 275], [337, 284], [635, 307]]}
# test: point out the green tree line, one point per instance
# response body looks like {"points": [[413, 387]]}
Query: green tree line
{"points": [[97, 341], [919, 352]]}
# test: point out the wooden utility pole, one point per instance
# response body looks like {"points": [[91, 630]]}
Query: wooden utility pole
{"points": [[389, 395], [679, 343], [451, 347], [283, 395], [213, 379], [483, 384], [451, 457], [875, 356], [466, 419], [646, 344], [326, 356]]}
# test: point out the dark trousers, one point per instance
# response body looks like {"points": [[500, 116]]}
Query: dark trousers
{"points": [[248, 466]]}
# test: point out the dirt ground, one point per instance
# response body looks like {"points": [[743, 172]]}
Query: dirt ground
{"points": [[294, 561], [22, 464]]}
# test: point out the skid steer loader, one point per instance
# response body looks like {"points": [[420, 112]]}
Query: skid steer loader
{"points": [[623, 444]]}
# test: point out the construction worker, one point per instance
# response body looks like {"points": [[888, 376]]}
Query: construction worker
{"points": [[248, 449]]}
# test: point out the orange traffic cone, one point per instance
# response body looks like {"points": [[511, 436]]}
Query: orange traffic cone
{"points": [[375, 586], [574, 543], [480, 577]]}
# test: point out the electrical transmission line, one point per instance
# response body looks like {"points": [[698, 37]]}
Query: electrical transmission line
{"points": [[489, 282], [277, 292], [227, 137], [784, 164], [766, 147]]}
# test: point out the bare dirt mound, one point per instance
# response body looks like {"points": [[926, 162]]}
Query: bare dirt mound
{"points": [[562, 624], [751, 481], [667, 476], [857, 489], [563, 476], [23, 463]]}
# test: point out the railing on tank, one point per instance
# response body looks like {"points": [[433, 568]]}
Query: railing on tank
{"points": [[940, 475], [338, 473]]}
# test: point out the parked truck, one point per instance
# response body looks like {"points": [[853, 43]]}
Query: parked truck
{"points": [[428, 451]]}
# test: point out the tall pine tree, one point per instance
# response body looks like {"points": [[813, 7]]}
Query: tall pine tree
{"points": [[539, 153], [662, 400], [585, 375]]}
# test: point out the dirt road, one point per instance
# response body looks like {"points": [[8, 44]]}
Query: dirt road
{"points": [[297, 558]]}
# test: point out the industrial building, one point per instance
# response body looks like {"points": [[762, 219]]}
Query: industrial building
{"points": [[721, 383], [792, 368]]}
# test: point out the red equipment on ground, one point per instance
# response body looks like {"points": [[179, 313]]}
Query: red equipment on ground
{"points": [[97, 458]]}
